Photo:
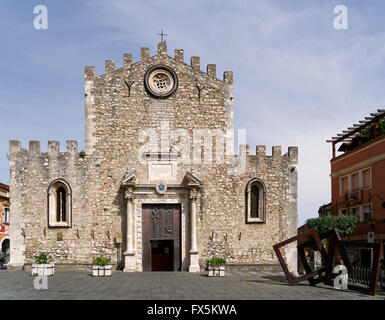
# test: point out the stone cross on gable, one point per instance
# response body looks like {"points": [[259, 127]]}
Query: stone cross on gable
{"points": [[161, 36]]}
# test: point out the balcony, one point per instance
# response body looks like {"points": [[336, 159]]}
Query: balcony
{"points": [[363, 228], [360, 134]]}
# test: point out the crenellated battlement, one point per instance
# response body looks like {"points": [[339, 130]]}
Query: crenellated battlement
{"points": [[162, 51], [53, 148], [276, 152]]}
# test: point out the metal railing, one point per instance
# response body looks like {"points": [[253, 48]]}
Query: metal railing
{"points": [[360, 277]]}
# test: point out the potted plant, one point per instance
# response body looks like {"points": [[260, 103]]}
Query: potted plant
{"points": [[101, 268], [42, 265], [216, 267]]}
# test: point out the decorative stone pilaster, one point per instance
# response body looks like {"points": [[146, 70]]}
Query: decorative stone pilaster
{"points": [[129, 254], [194, 252], [292, 210]]}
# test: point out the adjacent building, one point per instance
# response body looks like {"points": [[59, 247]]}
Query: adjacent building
{"points": [[357, 177], [325, 210], [4, 217]]}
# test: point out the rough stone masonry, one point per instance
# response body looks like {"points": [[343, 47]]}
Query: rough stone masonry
{"points": [[159, 186]]}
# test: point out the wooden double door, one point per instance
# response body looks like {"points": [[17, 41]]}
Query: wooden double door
{"points": [[161, 237]]}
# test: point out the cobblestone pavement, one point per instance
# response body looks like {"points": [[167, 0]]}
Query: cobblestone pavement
{"points": [[166, 286]]}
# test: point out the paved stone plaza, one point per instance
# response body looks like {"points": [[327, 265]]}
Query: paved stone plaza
{"points": [[166, 286]]}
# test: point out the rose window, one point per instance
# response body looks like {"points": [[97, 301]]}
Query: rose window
{"points": [[160, 81]]}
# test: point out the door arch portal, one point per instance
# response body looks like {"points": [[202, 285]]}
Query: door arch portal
{"points": [[161, 240], [5, 245]]}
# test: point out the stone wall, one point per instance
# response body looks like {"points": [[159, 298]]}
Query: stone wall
{"points": [[121, 120], [34, 171], [223, 229]]}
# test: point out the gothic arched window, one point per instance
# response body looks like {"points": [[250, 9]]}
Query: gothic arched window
{"points": [[255, 201], [61, 200], [59, 204]]}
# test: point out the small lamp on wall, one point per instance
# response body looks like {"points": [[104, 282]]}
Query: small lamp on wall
{"points": [[118, 238]]}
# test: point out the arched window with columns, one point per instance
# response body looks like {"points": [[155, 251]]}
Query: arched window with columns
{"points": [[59, 204], [255, 196]]}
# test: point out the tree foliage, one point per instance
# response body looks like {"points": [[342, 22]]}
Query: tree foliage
{"points": [[343, 223]]}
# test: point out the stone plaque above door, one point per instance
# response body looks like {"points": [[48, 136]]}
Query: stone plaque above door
{"points": [[162, 166], [162, 171]]}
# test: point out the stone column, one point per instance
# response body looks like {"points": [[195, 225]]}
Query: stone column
{"points": [[129, 254], [194, 252]]}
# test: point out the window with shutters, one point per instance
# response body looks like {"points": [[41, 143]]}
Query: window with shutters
{"points": [[363, 212], [366, 178], [356, 181], [6, 216], [366, 212], [344, 185]]}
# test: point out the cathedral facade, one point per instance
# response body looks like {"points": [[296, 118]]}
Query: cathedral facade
{"points": [[158, 186]]}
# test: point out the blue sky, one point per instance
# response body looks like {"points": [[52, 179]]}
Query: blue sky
{"points": [[298, 80]]}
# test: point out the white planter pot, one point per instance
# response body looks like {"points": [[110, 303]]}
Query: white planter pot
{"points": [[216, 271], [47, 269], [98, 271]]}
